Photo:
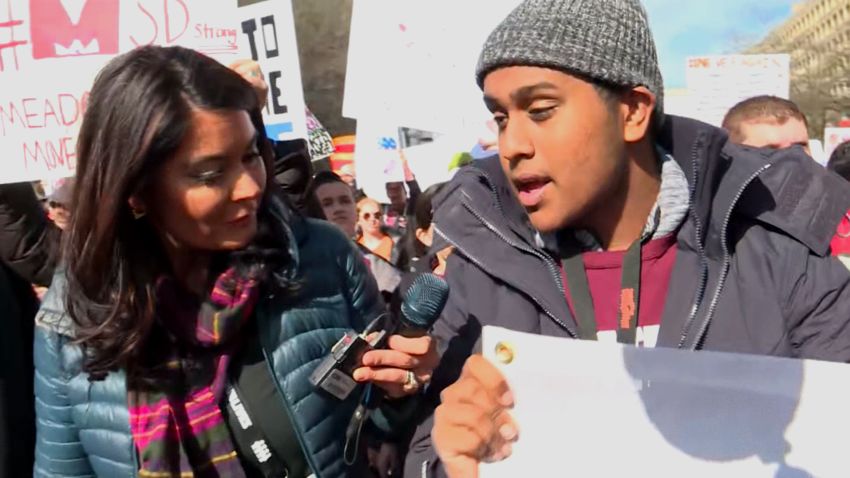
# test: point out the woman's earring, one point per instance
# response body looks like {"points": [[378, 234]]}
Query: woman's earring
{"points": [[138, 214]]}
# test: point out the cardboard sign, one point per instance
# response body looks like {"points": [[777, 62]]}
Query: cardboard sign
{"points": [[718, 82], [51, 51]]}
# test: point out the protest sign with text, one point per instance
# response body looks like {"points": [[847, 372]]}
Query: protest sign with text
{"points": [[51, 51]]}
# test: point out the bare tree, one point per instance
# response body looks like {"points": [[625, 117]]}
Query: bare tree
{"points": [[820, 81]]}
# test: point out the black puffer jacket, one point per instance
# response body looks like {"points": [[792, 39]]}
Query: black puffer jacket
{"points": [[753, 272], [27, 238], [26, 242]]}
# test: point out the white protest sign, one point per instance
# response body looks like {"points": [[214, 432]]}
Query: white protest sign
{"points": [[717, 82], [817, 152], [832, 137], [51, 51], [412, 63], [430, 162], [376, 158], [268, 27], [601, 410]]}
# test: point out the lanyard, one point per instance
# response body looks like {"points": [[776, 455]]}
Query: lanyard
{"points": [[250, 436], [627, 314]]}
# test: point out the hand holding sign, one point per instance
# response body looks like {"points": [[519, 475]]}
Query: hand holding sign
{"points": [[252, 73], [472, 423]]}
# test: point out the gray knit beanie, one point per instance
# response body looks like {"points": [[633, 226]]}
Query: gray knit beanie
{"points": [[607, 40]]}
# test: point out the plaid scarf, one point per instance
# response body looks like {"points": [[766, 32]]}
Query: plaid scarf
{"points": [[175, 413]]}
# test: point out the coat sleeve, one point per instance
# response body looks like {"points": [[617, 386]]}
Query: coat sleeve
{"points": [[27, 237], [818, 308], [457, 332], [58, 451]]}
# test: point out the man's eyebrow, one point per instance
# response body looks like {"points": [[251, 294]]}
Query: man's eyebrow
{"points": [[491, 103], [523, 95]]}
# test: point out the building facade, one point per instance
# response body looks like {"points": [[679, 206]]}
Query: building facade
{"points": [[817, 36]]}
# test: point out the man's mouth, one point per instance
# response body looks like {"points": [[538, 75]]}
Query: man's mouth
{"points": [[530, 189]]}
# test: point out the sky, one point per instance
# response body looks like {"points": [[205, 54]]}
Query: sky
{"points": [[685, 28]]}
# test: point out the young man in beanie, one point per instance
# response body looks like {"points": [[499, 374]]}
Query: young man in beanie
{"points": [[603, 219]]}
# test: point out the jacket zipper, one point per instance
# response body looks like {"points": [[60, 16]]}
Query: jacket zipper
{"points": [[307, 455], [727, 260], [553, 270], [703, 261]]}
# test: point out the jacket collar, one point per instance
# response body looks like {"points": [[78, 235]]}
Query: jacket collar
{"points": [[784, 189]]}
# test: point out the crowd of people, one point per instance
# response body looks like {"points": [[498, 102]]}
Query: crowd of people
{"points": [[164, 309]]}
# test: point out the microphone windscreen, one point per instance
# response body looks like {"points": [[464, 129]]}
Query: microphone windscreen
{"points": [[424, 301]]}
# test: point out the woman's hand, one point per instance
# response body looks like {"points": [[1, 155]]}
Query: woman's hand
{"points": [[250, 70], [401, 369], [472, 423]]}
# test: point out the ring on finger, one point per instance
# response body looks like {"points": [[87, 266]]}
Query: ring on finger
{"points": [[412, 383]]}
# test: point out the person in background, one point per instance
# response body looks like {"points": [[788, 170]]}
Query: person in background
{"points": [[372, 234], [333, 200], [293, 166], [59, 203], [348, 175], [596, 194], [336, 202], [839, 163], [27, 258], [839, 160], [192, 295], [767, 122], [420, 236], [398, 213]]}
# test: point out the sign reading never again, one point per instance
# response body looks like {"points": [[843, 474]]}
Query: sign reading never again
{"points": [[51, 51]]}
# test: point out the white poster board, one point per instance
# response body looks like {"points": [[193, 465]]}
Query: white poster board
{"points": [[412, 63], [51, 50], [715, 83], [377, 158], [832, 137], [600, 410]]}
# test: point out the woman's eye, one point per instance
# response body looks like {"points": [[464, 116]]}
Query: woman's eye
{"points": [[208, 177]]}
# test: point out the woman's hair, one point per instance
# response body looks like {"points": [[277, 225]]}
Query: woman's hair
{"points": [[139, 111], [839, 160], [423, 214]]}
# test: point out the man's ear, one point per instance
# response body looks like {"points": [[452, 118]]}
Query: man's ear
{"points": [[637, 107]]}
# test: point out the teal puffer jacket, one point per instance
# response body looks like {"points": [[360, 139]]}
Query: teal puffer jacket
{"points": [[83, 427]]}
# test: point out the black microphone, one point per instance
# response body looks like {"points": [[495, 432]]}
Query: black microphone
{"points": [[422, 303]]}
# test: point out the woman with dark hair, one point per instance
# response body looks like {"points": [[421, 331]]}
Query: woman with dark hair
{"points": [[420, 236], [194, 303]]}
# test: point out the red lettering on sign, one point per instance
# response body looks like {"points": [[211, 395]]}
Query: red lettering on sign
{"points": [[168, 37], [52, 154], [11, 42], [55, 34], [29, 114], [66, 100], [36, 113], [8, 115]]}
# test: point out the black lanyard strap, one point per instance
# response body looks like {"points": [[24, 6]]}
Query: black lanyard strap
{"points": [[249, 434], [629, 297]]}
